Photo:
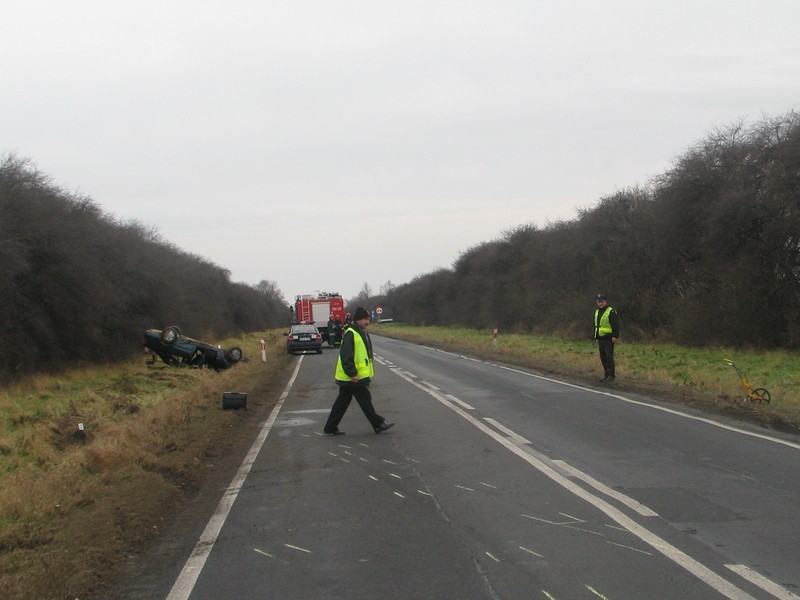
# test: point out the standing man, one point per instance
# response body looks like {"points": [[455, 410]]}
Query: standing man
{"points": [[606, 332], [331, 332], [354, 371]]}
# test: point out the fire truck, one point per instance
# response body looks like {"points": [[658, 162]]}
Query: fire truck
{"points": [[318, 308]]}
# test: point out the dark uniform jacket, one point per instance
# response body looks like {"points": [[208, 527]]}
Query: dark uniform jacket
{"points": [[347, 352]]}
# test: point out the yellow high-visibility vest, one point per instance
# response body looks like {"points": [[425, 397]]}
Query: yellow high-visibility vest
{"points": [[361, 359], [603, 325]]}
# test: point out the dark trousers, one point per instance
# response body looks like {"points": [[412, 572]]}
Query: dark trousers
{"points": [[364, 399], [607, 355]]}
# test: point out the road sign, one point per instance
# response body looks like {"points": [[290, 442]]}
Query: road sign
{"points": [[379, 310]]}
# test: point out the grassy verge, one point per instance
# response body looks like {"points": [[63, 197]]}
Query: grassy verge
{"points": [[92, 462], [76, 502], [697, 376]]}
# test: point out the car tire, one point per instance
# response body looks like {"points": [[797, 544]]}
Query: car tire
{"points": [[169, 335], [234, 355]]}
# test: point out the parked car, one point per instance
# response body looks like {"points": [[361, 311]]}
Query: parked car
{"points": [[177, 350], [302, 337]]}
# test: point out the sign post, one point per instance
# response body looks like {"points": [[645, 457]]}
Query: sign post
{"points": [[263, 351]]}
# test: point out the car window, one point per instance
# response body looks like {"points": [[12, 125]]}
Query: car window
{"points": [[304, 329]]}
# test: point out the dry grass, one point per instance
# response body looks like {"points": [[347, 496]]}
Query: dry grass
{"points": [[696, 376], [74, 501], [74, 504]]}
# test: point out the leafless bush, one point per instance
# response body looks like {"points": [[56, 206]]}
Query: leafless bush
{"points": [[706, 253], [78, 285]]}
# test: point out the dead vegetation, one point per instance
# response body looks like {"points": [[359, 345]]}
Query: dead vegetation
{"points": [[92, 464]]}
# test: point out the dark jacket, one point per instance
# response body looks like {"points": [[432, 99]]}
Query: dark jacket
{"points": [[347, 352]]}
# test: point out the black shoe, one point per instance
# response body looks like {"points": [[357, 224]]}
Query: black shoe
{"points": [[383, 427], [335, 432]]}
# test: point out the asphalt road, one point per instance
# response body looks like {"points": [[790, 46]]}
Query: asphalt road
{"points": [[498, 483]]}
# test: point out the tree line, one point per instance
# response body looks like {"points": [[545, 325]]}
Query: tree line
{"points": [[706, 253], [79, 285]]}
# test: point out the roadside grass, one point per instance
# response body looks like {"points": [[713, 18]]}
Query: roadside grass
{"points": [[92, 461], [696, 376], [76, 502]]}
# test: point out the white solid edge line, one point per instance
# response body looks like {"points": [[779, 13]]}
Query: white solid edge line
{"points": [[762, 582], [699, 570], [185, 583], [645, 404], [661, 408]]}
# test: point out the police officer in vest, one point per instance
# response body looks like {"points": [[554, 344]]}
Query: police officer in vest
{"points": [[354, 371], [606, 332]]}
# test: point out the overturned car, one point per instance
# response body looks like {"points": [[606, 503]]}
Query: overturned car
{"points": [[177, 350]]}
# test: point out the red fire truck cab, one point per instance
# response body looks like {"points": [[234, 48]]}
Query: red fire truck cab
{"points": [[318, 308]]}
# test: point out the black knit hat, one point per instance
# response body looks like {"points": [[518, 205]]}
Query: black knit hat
{"points": [[360, 314]]}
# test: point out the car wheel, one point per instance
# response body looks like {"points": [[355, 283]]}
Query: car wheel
{"points": [[169, 335], [233, 355]]}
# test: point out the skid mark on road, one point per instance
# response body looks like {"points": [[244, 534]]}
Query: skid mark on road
{"points": [[629, 548], [692, 566], [529, 551], [571, 524], [595, 592], [183, 586]]}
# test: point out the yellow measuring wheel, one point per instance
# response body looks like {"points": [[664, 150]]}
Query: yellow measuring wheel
{"points": [[755, 395]]}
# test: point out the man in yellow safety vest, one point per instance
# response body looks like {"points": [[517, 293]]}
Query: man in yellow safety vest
{"points": [[606, 332], [354, 372]]}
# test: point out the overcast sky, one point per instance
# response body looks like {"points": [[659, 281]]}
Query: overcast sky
{"points": [[325, 144]]}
